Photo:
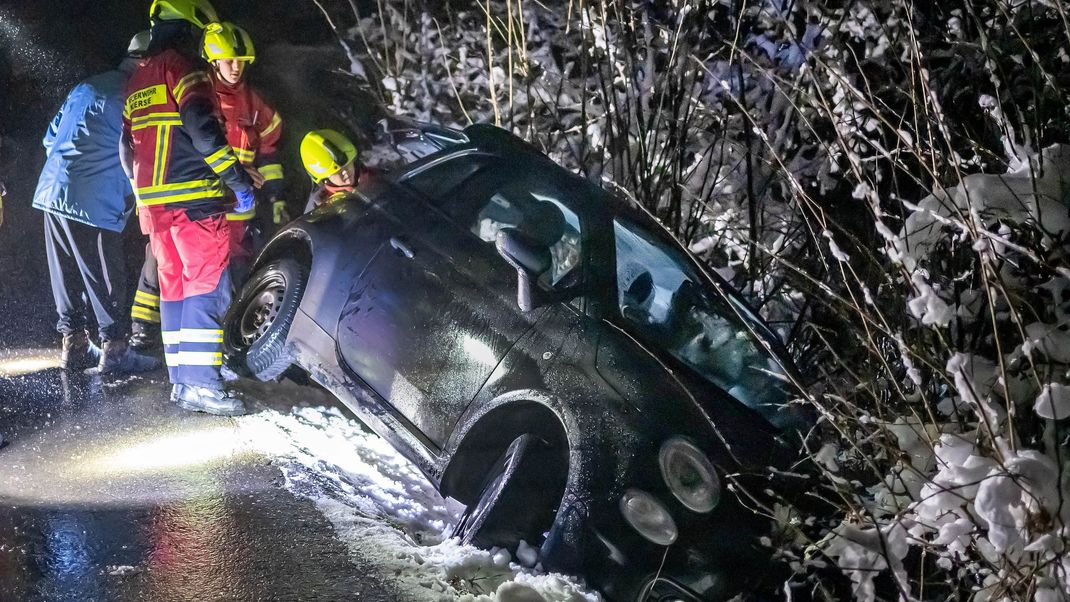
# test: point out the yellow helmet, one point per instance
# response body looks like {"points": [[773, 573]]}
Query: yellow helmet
{"points": [[198, 12], [325, 153], [227, 41]]}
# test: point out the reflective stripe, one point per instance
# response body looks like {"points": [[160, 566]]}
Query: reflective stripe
{"points": [[182, 191], [276, 121], [155, 119], [147, 299], [219, 154], [200, 335], [241, 217], [200, 358], [221, 167], [187, 82], [170, 337], [163, 132], [272, 171], [244, 155], [144, 314], [171, 358], [220, 160]]}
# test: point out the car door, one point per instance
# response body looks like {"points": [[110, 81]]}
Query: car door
{"points": [[435, 311]]}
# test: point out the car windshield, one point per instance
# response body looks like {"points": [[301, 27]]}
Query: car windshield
{"points": [[663, 300]]}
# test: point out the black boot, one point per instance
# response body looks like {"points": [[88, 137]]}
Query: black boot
{"points": [[145, 337], [118, 358], [79, 352]]}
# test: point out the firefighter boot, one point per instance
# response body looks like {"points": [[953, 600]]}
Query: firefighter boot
{"points": [[79, 352], [119, 358], [210, 401], [145, 337], [177, 391]]}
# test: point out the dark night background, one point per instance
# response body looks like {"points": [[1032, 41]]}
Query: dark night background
{"points": [[47, 46]]}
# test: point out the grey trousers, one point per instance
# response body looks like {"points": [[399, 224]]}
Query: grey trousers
{"points": [[88, 273]]}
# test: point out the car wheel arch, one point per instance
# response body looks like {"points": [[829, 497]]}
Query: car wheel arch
{"points": [[489, 429], [295, 242]]}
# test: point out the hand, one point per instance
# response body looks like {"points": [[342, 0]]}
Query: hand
{"points": [[255, 175], [280, 215], [246, 198]]}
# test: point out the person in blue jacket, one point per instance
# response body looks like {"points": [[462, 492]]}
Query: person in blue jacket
{"points": [[86, 199]]}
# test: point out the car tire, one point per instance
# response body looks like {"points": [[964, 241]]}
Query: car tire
{"points": [[512, 504], [257, 324]]}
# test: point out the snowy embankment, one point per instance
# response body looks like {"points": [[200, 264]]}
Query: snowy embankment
{"points": [[387, 514]]}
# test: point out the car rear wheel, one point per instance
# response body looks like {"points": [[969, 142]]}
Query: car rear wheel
{"points": [[513, 503], [258, 323]]}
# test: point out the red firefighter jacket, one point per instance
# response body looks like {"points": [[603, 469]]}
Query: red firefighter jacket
{"points": [[179, 150], [326, 191], [253, 130]]}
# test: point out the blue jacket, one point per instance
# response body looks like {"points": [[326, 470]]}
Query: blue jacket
{"points": [[82, 179]]}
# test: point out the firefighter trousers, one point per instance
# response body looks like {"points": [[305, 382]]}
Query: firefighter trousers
{"points": [[246, 240], [146, 307], [88, 272], [191, 257]]}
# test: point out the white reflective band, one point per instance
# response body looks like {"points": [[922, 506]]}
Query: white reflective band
{"points": [[171, 337], [171, 359], [200, 358], [201, 335]]}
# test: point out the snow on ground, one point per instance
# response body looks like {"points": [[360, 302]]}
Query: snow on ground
{"points": [[388, 514]]}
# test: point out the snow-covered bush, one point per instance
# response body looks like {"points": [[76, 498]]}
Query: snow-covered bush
{"points": [[888, 181]]}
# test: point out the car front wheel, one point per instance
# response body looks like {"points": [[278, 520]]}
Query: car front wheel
{"points": [[258, 323], [517, 499]]}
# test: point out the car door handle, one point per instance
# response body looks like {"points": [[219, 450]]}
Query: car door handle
{"points": [[400, 246]]}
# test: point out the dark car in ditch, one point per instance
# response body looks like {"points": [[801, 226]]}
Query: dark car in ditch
{"points": [[546, 354]]}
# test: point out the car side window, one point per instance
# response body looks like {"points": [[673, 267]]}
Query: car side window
{"points": [[438, 180], [539, 208]]}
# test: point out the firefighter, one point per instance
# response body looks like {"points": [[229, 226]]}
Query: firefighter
{"points": [[176, 152], [254, 130], [331, 161], [86, 200]]}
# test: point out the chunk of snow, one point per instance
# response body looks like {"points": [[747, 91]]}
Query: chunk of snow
{"points": [[927, 306], [862, 553], [526, 554], [1031, 195], [1053, 402]]}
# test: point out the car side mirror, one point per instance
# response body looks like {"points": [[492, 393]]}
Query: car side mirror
{"points": [[529, 258]]}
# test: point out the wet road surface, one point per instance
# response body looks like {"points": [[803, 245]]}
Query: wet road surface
{"points": [[110, 492]]}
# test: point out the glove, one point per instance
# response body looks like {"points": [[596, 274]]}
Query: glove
{"points": [[245, 200], [279, 214]]}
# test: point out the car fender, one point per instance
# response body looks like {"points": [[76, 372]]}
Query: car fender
{"points": [[323, 239]]}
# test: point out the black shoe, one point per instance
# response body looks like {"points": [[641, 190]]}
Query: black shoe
{"points": [[79, 352], [145, 337], [119, 358]]}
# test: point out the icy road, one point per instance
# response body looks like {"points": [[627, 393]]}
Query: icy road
{"points": [[109, 492]]}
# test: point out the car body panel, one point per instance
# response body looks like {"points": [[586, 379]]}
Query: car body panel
{"points": [[420, 328], [413, 323]]}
